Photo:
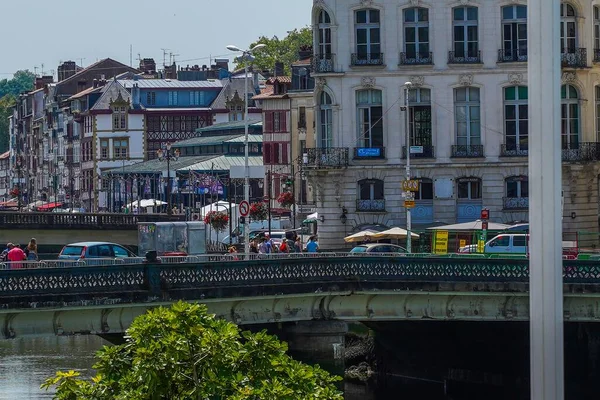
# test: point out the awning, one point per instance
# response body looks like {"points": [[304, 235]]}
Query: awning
{"points": [[49, 206], [312, 218]]}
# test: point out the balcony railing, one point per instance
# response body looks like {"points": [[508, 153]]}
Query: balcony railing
{"points": [[364, 59], [367, 153], [323, 63], [464, 57], [512, 55], [574, 58], [326, 158], [467, 151], [516, 203], [428, 152], [419, 58], [370, 205], [514, 150], [596, 55], [586, 151]]}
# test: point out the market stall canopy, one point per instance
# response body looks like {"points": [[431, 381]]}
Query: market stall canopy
{"points": [[49, 206], [361, 236], [35, 204], [146, 203], [471, 226], [10, 203], [395, 233], [312, 218]]}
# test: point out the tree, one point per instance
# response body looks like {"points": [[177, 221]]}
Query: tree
{"points": [[6, 104], [279, 50], [22, 81], [183, 352]]}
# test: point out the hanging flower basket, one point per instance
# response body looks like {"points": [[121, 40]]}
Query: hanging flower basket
{"points": [[285, 199], [258, 211], [14, 192], [217, 220]]}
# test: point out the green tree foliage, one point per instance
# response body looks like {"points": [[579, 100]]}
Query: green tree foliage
{"points": [[22, 81], [279, 50], [183, 352]]}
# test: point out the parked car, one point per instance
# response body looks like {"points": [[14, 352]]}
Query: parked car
{"points": [[85, 250], [378, 248]]}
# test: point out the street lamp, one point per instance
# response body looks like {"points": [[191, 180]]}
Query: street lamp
{"points": [[247, 54], [165, 154], [408, 86]]}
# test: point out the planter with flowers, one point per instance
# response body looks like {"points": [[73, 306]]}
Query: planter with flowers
{"points": [[286, 199], [217, 220], [258, 211]]}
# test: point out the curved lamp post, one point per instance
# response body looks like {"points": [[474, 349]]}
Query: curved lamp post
{"points": [[165, 154]]}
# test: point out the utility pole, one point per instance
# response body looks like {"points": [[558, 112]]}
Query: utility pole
{"points": [[408, 85]]}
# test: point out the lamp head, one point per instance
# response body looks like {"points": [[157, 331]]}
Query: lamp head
{"points": [[258, 47], [233, 48], [409, 84]]}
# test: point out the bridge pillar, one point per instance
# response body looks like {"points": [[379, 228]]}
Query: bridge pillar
{"points": [[320, 341]]}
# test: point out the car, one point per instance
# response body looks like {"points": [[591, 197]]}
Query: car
{"points": [[378, 248], [85, 250]]}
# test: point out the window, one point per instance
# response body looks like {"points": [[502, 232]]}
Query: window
{"points": [[173, 101], [120, 252], [301, 79], [569, 117], [502, 241], [275, 121], [301, 117], [519, 241], [516, 115], [568, 28], [597, 97], [119, 118], [517, 187], [514, 33], [416, 33], [121, 148], [368, 38], [370, 195], [419, 102], [370, 118], [596, 30], [151, 98], [466, 40], [467, 114], [104, 152], [469, 188], [196, 98], [425, 191], [325, 121], [324, 35]]}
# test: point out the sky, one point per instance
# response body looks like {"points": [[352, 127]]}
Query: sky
{"points": [[49, 32]]}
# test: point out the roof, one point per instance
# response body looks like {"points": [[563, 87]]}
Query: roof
{"points": [[84, 70], [156, 166], [223, 163], [229, 89], [111, 92], [164, 109], [280, 79], [306, 61], [171, 84], [85, 92], [217, 140], [230, 125]]}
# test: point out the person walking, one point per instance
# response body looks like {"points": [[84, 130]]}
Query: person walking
{"points": [[15, 256], [312, 246], [4, 254], [32, 250]]}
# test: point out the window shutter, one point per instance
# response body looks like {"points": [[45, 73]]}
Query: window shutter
{"points": [[268, 121], [276, 153], [284, 153], [283, 123], [267, 153]]}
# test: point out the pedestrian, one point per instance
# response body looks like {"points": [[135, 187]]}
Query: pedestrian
{"points": [[253, 246], [262, 247], [32, 250], [15, 256], [233, 253], [269, 244], [298, 244], [4, 254], [312, 246]]}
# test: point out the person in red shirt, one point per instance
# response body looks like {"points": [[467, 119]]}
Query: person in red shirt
{"points": [[15, 255]]}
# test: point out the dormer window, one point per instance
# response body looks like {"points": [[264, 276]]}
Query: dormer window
{"points": [[235, 106], [119, 118]]}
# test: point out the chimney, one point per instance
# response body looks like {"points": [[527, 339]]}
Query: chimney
{"points": [[278, 69], [95, 83], [148, 66], [135, 95], [43, 81], [222, 63], [66, 70], [304, 52]]}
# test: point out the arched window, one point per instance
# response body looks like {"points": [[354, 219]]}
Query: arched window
{"points": [[325, 121], [467, 115], [517, 193], [514, 33], [368, 38], [324, 35], [369, 113], [569, 117], [370, 195], [516, 120], [465, 35], [469, 188], [568, 28], [416, 36]]}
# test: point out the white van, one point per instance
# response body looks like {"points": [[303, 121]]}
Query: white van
{"points": [[282, 224], [514, 243]]}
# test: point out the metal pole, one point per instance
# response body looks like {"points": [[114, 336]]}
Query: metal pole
{"points": [[246, 166], [545, 182], [408, 216], [169, 211], [269, 199], [294, 197], [230, 212]]}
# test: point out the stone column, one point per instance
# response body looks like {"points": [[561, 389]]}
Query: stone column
{"points": [[318, 341], [546, 297]]}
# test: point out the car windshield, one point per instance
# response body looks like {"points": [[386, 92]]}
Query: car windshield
{"points": [[72, 251], [359, 249]]}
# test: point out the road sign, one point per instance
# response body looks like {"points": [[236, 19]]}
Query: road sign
{"points": [[410, 186], [244, 208], [485, 214], [409, 204], [484, 225]]}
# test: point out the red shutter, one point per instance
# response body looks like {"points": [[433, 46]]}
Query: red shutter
{"points": [[283, 119], [267, 153], [284, 153], [276, 153], [268, 121]]}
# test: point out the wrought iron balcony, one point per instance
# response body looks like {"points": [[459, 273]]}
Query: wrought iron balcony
{"points": [[586, 151], [365, 59], [418, 58], [370, 205], [514, 150], [468, 151], [516, 203], [573, 58], [512, 55], [323, 63], [596, 55], [367, 153], [464, 57], [326, 158], [428, 152]]}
